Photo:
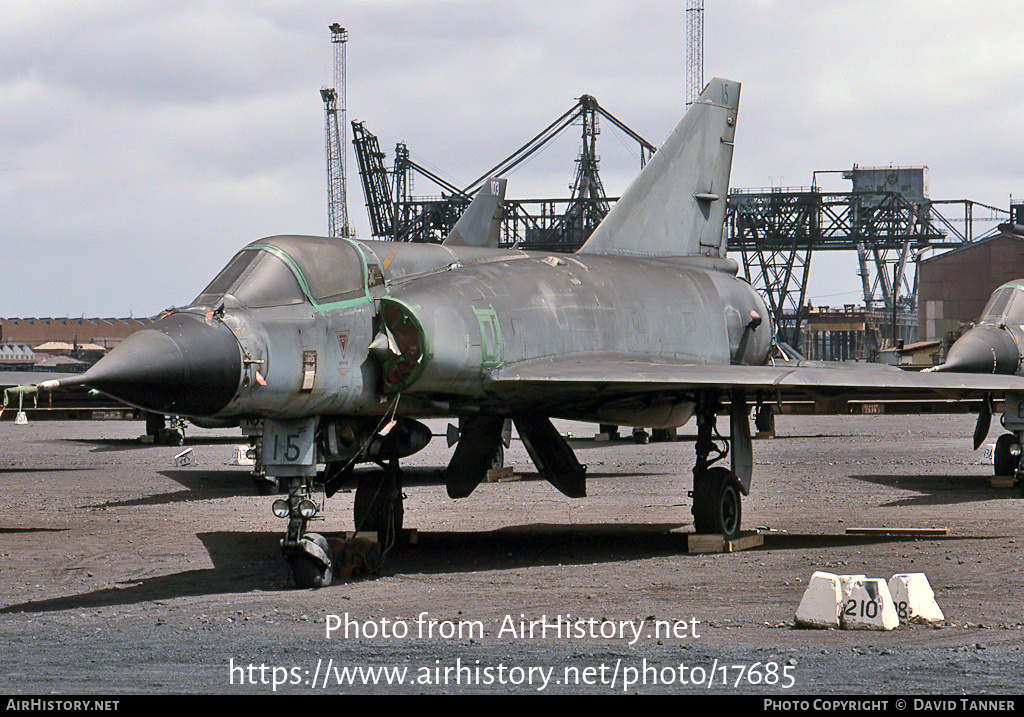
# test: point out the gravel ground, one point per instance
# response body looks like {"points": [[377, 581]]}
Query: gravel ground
{"points": [[123, 574]]}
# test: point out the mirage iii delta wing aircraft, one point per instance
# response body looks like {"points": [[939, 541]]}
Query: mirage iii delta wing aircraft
{"points": [[337, 346]]}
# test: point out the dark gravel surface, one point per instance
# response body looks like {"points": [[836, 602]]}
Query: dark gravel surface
{"points": [[123, 574]]}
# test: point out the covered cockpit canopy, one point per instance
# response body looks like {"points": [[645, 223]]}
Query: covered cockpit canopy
{"points": [[1006, 305], [284, 270]]}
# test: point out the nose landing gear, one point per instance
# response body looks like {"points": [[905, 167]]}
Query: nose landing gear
{"points": [[308, 554], [311, 562]]}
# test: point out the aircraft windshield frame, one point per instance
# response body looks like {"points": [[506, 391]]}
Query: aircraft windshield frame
{"points": [[257, 279], [332, 271], [1015, 312], [1007, 302], [286, 270]]}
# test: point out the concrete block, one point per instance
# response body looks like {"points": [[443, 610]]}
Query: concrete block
{"points": [[819, 606], [914, 598], [241, 458], [988, 453], [867, 604]]}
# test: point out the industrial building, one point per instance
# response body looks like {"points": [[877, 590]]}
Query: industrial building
{"points": [[953, 287], [61, 344]]}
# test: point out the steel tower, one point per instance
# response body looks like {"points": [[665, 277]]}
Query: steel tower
{"points": [[335, 104]]}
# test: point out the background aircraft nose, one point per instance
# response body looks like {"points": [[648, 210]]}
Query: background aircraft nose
{"points": [[181, 365], [983, 349]]}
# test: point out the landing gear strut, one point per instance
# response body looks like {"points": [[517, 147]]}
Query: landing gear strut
{"points": [[717, 490], [308, 554]]}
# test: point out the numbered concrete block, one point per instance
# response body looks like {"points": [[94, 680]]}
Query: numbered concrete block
{"points": [[819, 607], [867, 604], [241, 457], [846, 583], [988, 453], [914, 599]]}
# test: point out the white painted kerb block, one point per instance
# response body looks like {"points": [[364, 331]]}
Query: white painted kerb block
{"points": [[914, 599], [819, 606]]}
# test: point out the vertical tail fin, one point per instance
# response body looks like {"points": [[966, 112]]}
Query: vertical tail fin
{"points": [[676, 205], [480, 224]]}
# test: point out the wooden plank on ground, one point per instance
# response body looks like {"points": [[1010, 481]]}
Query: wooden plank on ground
{"points": [[920, 532]]}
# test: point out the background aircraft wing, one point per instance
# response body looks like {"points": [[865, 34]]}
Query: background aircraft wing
{"points": [[589, 378]]}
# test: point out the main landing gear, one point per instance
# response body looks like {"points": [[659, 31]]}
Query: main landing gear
{"points": [[717, 505], [1009, 447], [1006, 458], [717, 490], [378, 503]]}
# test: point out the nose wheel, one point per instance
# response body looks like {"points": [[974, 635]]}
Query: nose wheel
{"points": [[311, 563]]}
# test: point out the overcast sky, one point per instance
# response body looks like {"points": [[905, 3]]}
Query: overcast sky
{"points": [[143, 143]]}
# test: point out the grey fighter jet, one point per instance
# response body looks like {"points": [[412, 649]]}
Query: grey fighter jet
{"points": [[335, 347], [993, 346]]}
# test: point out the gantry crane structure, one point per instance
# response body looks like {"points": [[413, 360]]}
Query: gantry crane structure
{"points": [[777, 230], [774, 231], [557, 224], [694, 49]]}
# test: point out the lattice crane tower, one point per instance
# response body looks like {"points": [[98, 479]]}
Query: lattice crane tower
{"points": [[335, 104], [694, 49]]}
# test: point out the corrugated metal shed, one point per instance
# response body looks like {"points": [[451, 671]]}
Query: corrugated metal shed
{"points": [[953, 287]]}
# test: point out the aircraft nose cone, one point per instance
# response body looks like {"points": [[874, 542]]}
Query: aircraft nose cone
{"points": [[181, 365], [983, 349]]}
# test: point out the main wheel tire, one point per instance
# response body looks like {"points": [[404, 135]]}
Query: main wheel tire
{"points": [[1004, 462], [378, 505], [717, 503], [764, 418], [498, 461]]}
